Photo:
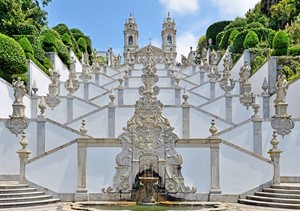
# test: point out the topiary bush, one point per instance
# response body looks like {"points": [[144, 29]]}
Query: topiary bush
{"points": [[232, 36], [287, 71], [77, 33], [26, 45], [61, 28], [271, 38], [49, 42], [224, 41], [238, 43], [251, 40], [12, 56], [256, 63], [63, 52], [254, 25], [280, 44], [219, 38], [214, 29], [66, 38], [82, 44], [237, 23]]}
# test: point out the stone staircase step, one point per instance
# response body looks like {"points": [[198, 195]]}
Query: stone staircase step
{"points": [[275, 190], [17, 190], [16, 195], [28, 203], [276, 200], [270, 204], [13, 186], [288, 186], [23, 199], [278, 195]]}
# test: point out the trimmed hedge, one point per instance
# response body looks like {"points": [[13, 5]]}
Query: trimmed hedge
{"points": [[237, 23], [214, 29], [232, 36], [287, 71], [66, 38], [271, 38], [294, 50], [256, 63], [49, 42], [76, 33], [251, 40], [26, 45], [63, 52], [12, 56], [254, 25], [61, 28], [219, 38], [238, 43], [280, 43], [82, 44]]}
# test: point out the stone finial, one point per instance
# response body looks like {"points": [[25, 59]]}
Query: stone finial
{"points": [[24, 142], [265, 86], [70, 87], [42, 106], [121, 80], [177, 80], [185, 97], [83, 129], [213, 129], [255, 105], [274, 141], [112, 96], [34, 88]]}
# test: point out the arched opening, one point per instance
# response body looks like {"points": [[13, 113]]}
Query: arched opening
{"points": [[169, 39], [130, 40]]}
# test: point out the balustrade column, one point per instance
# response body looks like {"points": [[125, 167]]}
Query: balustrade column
{"points": [[212, 89], [81, 191], [70, 107], [34, 105], [41, 135], [86, 88], [185, 116], [275, 157], [177, 95], [202, 74], [111, 120], [228, 99], [23, 155], [97, 79]]}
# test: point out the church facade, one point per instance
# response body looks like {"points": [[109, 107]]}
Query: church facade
{"points": [[134, 54]]}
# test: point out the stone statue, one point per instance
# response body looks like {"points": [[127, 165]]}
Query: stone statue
{"points": [[73, 64], [213, 57], [204, 53], [85, 58], [20, 90], [281, 89], [184, 61], [245, 72], [227, 61]]}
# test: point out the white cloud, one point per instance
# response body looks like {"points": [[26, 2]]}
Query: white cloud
{"points": [[234, 8], [185, 40], [180, 6]]}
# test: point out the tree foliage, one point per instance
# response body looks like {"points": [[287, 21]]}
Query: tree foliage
{"points": [[214, 29], [280, 43], [251, 40]]}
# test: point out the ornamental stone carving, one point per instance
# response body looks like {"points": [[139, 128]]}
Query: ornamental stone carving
{"points": [[226, 83], [72, 83], [53, 98], [18, 122], [148, 143]]}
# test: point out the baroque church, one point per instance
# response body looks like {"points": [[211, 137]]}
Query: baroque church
{"points": [[132, 52]]}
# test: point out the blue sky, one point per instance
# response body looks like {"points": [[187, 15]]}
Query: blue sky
{"points": [[104, 21]]}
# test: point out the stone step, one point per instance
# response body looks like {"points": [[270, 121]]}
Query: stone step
{"points": [[272, 199], [18, 190], [285, 191], [278, 195], [16, 195], [269, 204], [28, 203], [23, 199], [13, 186], [288, 186]]}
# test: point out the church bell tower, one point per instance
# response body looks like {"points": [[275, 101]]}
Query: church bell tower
{"points": [[131, 36], [168, 35]]}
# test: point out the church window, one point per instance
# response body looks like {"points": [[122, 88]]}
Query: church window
{"points": [[130, 40], [169, 40]]}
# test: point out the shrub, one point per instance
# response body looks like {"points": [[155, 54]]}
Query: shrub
{"points": [[82, 44], [237, 23], [88, 44], [251, 40], [219, 38], [232, 36], [238, 43], [53, 32], [256, 63], [254, 25], [224, 41], [26, 45], [63, 52], [66, 38], [12, 56], [294, 50], [262, 33], [271, 38], [49, 42], [214, 29], [287, 71], [77, 33], [61, 28], [280, 43]]}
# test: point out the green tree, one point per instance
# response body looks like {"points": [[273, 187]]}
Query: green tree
{"points": [[282, 13], [251, 40], [280, 43], [82, 44], [200, 46], [232, 36]]}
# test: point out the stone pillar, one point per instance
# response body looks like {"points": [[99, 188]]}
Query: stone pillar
{"points": [[212, 89], [240, 86], [247, 56], [120, 95], [257, 134], [173, 80], [105, 69], [126, 81], [272, 74], [41, 136], [275, 157], [86, 90], [228, 99], [70, 106], [97, 79], [34, 106], [266, 105], [185, 116], [81, 191], [177, 95], [111, 121], [202, 72], [215, 142], [23, 155]]}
